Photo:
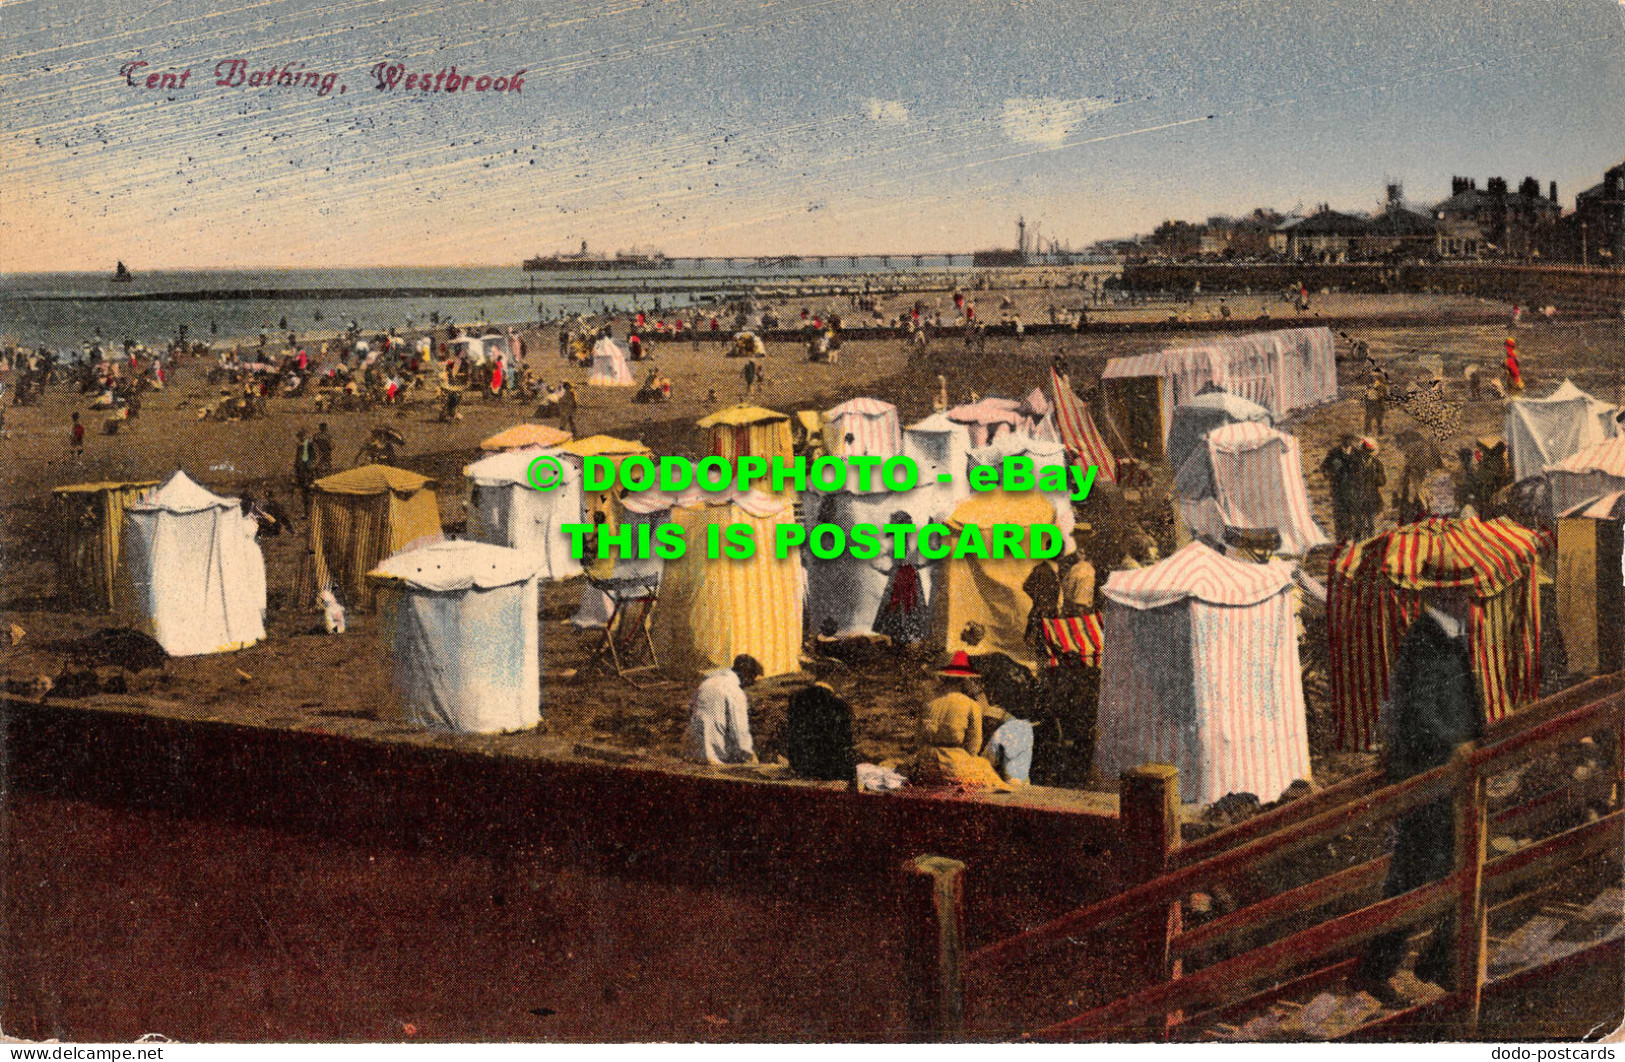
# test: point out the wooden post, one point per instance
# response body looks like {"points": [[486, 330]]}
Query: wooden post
{"points": [[1472, 914], [1148, 815], [934, 942]]}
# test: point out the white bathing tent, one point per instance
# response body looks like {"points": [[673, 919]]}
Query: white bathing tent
{"points": [[505, 510], [609, 368], [459, 620], [481, 349], [945, 443], [1043, 455], [1200, 670], [850, 590], [1211, 409], [863, 427], [195, 573], [1248, 475], [1540, 432]]}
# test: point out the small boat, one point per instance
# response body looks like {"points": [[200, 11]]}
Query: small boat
{"points": [[122, 274]]}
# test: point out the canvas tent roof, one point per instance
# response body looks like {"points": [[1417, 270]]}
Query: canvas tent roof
{"points": [[521, 435], [455, 564], [739, 416], [1199, 573], [1587, 473], [938, 441], [180, 494], [1248, 475], [1607, 457], [1200, 669], [373, 479], [1541, 432], [604, 446], [1607, 507], [104, 486]]}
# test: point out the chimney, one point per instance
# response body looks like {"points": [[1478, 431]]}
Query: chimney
{"points": [[1458, 185], [1529, 188], [1554, 192], [1396, 193], [1472, 184]]}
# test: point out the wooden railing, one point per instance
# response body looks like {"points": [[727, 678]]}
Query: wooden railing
{"points": [[1239, 970]]}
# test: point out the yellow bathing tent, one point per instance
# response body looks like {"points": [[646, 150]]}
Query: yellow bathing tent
{"points": [[748, 431], [357, 518], [87, 531], [987, 591], [712, 610], [521, 435]]}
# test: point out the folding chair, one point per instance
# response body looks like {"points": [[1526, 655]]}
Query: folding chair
{"points": [[631, 593]]}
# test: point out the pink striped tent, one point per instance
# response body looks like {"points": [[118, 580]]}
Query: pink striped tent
{"points": [[872, 424], [1591, 472], [1079, 435], [1283, 371], [1248, 475], [1200, 670], [1374, 594]]}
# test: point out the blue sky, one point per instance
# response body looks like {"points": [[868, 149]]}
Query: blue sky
{"points": [[767, 126]]}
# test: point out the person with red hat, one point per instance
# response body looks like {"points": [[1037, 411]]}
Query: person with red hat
{"points": [[951, 733]]}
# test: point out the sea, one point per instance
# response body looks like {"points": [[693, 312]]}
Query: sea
{"points": [[70, 311]]}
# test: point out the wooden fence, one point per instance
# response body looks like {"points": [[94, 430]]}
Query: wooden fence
{"points": [[1254, 954]]}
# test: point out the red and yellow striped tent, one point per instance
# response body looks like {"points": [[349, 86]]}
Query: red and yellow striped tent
{"points": [[1082, 635], [1374, 594]]}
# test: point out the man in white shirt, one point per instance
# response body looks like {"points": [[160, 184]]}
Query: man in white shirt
{"points": [[719, 714]]}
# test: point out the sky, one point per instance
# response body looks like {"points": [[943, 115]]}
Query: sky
{"points": [[764, 127]]}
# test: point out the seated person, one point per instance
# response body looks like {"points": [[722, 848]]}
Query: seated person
{"points": [[1009, 745], [719, 714], [951, 733], [819, 730]]}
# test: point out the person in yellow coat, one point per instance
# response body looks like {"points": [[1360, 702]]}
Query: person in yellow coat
{"points": [[951, 733]]}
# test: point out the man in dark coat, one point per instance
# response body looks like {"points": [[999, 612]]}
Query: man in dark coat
{"points": [[1342, 471], [819, 732], [1433, 707]]}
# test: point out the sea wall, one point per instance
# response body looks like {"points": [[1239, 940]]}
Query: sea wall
{"points": [[1569, 288]]}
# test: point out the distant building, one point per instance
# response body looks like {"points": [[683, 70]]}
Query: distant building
{"points": [[1397, 233], [1245, 237], [1496, 221], [1326, 236], [1597, 226]]}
